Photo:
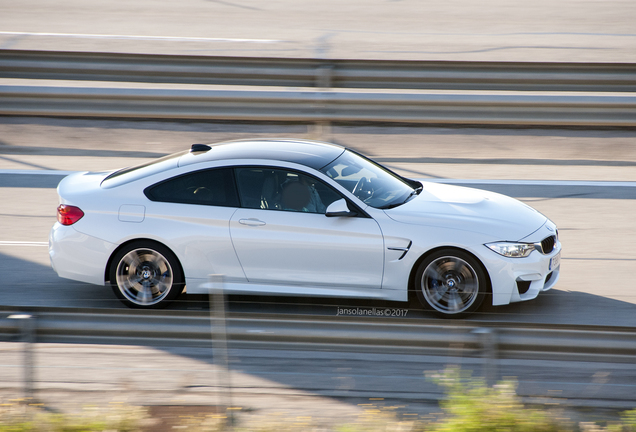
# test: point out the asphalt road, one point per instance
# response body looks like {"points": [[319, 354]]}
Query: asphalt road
{"points": [[497, 30], [594, 217]]}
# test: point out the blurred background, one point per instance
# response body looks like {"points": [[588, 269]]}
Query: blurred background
{"points": [[531, 99]]}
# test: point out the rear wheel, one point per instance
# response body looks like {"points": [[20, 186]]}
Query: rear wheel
{"points": [[451, 282], [146, 275]]}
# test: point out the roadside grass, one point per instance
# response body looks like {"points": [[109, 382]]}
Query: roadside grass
{"points": [[20, 417], [469, 406], [472, 406]]}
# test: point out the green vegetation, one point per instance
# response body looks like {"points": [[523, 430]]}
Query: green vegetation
{"points": [[31, 418], [472, 406], [469, 406]]}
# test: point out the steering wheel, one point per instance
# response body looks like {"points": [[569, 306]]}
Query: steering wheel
{"points": [[362, 189]]}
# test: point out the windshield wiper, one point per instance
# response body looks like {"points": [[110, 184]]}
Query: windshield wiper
{"points": [[390, 206], [416, 191]]}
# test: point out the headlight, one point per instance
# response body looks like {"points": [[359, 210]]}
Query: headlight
{"points": [[512, 250]]}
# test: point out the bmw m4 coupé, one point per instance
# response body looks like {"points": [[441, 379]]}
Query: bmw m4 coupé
{"points": [[298, 218]]}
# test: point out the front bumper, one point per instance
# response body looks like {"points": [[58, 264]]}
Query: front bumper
{"points": [[519, 279]]}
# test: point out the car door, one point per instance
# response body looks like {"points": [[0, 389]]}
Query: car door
{"points": [[282, 236], [192, 211]]}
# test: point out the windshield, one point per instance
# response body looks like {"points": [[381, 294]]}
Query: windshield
{"points": [[370, 182]]}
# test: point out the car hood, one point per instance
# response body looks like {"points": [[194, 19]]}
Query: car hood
{"points": [[468, 209]]}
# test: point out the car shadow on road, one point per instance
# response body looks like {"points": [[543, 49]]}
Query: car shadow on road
{"points": [[27, 283]]}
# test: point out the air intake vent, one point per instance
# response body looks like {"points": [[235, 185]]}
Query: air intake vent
{"points": [[523, 286], [548, 277], [547, 244]]}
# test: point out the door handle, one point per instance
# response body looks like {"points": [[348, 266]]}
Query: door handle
{"points": [[251, 222]]}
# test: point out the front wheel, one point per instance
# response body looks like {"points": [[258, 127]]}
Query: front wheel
{"points": [[451, 282], [146, 275]]}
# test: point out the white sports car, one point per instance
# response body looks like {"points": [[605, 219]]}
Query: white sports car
{"points": [[301, 218]]}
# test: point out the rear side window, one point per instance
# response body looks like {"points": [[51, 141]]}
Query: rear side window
{"points": [[214, 187]]}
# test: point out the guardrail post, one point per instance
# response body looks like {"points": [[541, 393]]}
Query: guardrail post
{"points": [[27, 333], [324, 76], [488, 340], [322, 128], [219, 345]]}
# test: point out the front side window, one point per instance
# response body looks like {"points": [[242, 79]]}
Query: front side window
{"points": [[280, 189], [214, 187], [371, 183]]}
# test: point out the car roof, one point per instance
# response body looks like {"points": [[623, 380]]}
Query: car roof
{"points": [[313, 154]]}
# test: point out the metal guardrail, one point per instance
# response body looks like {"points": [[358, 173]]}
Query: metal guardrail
{"points": [[315, 90], [299, 105], [526, 341], [307, 72]]}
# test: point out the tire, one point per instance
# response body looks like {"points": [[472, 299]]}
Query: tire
{"points": [[146, 275], [451, 283]]}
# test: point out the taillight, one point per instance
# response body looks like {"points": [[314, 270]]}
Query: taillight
{"points": [[68, 215]]}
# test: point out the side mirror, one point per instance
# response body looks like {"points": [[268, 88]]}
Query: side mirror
{"points": [[339, 208]]}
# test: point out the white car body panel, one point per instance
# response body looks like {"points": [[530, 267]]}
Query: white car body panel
{"points": [[295, 248], [198, 235], [78, 256], [204, 286], [466, 209]]}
